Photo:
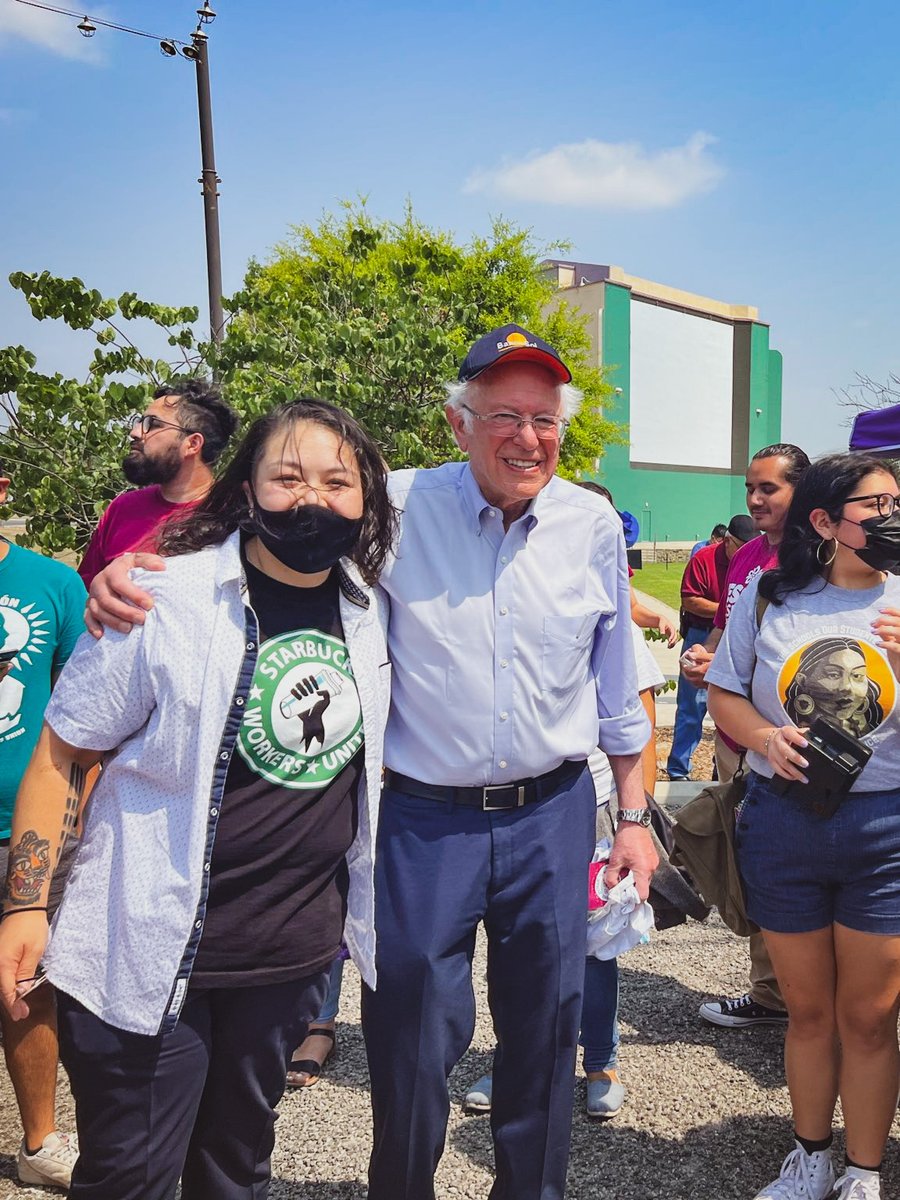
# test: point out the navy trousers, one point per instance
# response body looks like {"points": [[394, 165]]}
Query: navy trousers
{"points": [[198, 1102], [440, 870]]}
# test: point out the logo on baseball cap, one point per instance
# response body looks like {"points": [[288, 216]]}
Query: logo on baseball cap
{"points": [[511, 342]]}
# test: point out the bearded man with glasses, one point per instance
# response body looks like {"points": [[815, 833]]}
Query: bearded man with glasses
{"points": [[172, 449]]}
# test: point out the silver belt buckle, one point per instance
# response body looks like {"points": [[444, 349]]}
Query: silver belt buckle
{"points": [[501, 787]]}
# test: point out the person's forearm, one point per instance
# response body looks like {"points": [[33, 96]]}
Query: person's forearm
{"points": [[715, 636], [737, 717], [697, 606], [629, 779], [46, 811], [642, 616]]}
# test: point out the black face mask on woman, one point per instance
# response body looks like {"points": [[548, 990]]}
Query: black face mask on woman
{"points": [[309, 538], [882, 549]]}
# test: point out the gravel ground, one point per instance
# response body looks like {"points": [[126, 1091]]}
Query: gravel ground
{"points": [[706, 1116], [701, 759]]}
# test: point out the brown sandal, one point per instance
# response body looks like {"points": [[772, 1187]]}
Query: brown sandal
{"points": [[309, 1066]]}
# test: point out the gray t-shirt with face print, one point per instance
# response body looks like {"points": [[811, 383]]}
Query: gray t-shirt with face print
{"points": [[816, 655]]}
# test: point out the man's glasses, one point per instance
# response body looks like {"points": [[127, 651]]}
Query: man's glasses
{"points": [[887, 504], [148, 423], [504, 424]]}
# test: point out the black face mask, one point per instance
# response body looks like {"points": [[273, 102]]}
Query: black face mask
{"points": [[882, 548], [309, 538]]}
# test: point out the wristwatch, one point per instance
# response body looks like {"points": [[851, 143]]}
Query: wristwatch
{"points": [[638, 816]]}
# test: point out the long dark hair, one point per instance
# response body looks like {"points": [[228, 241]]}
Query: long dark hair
{"points": [[827, 484], [226, 507]]}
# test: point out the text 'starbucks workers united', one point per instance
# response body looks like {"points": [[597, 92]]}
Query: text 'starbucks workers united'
{"points": [[302, 723]]}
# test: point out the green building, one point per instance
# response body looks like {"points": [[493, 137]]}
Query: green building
{"points": [[697, 386]]}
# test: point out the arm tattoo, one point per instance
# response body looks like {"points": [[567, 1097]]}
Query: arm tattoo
{"points": [[77, 776], [29, 869], [29, 860]]}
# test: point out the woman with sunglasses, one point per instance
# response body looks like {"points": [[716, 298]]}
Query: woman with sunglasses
{"points": [[825, 890], [227, 848]]}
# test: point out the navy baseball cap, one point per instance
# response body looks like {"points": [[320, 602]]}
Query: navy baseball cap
{"points": [[511, 342], [742, 528]]}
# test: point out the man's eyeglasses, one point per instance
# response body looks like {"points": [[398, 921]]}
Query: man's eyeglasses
{"points": [[887, 503], [148, 423], [504, 424]]}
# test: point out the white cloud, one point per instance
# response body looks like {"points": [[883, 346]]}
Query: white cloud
{"points": [[592, 174], [46, 30]]}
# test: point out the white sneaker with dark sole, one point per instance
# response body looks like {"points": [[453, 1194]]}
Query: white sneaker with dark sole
{"points": [[741, 1013], [52, 1165], [851, 1187], [803, 1177], [478, 1097]]}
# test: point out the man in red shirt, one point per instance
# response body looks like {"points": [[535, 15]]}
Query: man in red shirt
{"points": [[173, 448], [701, 589], [772, 475]]}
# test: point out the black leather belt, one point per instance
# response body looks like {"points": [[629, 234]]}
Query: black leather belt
{"points": [[494, 798]]}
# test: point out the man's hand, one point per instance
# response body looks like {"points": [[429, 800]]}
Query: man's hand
{"points": [[114, 600], [694, 665], [23, 939], [632, 850]]}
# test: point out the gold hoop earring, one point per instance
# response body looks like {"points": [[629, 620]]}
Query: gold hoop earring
{"points": [[826, 562]]}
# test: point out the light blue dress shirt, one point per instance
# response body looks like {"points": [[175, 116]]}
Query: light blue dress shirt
{"points": [[511, 650]]}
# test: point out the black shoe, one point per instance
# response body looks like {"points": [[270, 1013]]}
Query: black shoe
{"points": [[740, 1013]]}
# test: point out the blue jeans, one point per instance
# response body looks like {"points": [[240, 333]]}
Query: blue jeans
{"points": [[690, 709], [599, 1010], [333, 996]]}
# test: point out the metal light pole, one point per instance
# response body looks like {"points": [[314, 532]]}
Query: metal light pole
{"points": [[209, 184]]}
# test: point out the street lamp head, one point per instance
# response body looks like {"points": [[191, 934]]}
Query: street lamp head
{"points": [[168, 48], [190, 52], [86, 27], [206, 13]]}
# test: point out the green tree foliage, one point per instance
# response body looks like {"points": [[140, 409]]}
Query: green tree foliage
{"points": [[373, 315], [376, 315], [64, 439]]}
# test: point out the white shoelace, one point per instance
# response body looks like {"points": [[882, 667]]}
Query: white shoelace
{"points": [[796, 1179]]}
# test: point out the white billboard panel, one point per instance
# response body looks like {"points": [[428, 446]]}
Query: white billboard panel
{"points": [[681, 388]]}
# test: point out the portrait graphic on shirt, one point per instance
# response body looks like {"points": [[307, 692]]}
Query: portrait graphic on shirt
{"points": [[841, 678], [302, 722], [22, 628]]}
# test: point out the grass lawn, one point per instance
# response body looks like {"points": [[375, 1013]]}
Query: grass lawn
{"points": [[662, 581]]}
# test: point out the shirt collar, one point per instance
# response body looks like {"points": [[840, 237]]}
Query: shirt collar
{"points": [[230, 568], [477, 507]]}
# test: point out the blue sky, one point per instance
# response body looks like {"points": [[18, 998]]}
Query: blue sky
{"points": [[746, 152]]}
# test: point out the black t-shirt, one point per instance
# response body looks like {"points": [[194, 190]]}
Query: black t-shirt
{"points": [[278, 879]]}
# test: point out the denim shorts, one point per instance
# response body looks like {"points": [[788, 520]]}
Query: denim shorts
{"points": [[804, 872]]}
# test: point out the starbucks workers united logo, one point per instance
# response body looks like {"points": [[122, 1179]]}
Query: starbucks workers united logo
{"points": [[302, 723]]}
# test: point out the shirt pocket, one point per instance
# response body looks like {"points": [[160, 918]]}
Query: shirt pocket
{"points": [[566, 652]]}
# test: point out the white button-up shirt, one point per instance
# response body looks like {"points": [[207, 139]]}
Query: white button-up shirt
{"points": [[512, 650], [166, 701]]}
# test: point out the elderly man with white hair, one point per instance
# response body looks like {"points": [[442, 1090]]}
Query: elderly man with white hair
{"points": [[512, 658]]}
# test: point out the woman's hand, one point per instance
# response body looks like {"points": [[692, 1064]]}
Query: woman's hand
{"points": [[782, 750], [887, 628], [668, 630], [115, 601]]}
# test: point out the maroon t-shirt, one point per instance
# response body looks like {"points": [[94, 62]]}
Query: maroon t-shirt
{"points": [[704, 577], [131, 522], [751, 560]]}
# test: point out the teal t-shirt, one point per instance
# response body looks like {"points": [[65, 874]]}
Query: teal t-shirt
{"points": [[42, 617]]}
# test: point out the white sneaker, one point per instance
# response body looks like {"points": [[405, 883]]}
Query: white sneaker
{"points": [[53, 1163], [478, 1097], [852, 1187], [804, 1177]]}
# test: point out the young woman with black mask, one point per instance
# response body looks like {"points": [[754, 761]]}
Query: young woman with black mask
{"points": [[825, 889], [228, 846]]}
